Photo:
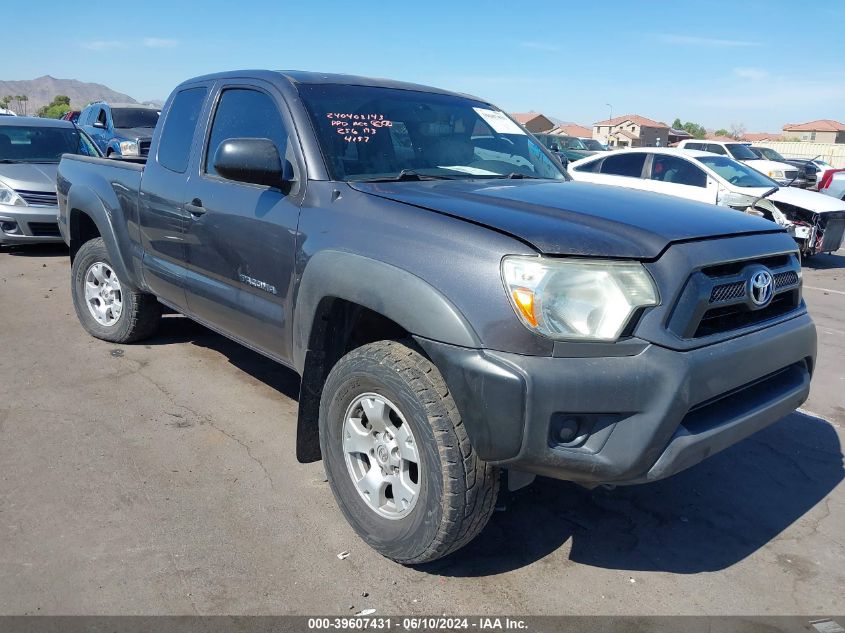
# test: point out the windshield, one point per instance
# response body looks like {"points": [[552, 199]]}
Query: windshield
{"points": [[593, 144], [736, 173], [29, 144], [772, 154], [740, 151], [369, 133], [134, 117]]}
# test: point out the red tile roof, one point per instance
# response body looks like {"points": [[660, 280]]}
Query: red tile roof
{"points": [[822, 125], [761, 136], [573, 129], [525, 117], [636, 118], [720, 139]]}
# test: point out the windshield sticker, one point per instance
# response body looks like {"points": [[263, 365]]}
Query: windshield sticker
{"points": [[498, 121], [357, 128], [466, 169]]}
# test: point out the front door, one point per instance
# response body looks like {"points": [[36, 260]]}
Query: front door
{"points": [[241, 237]]}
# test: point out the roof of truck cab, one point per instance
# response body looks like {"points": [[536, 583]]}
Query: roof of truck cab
{"points": [[306, 77], [33, 121]]}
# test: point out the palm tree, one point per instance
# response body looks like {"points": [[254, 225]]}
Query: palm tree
{"points": [[24, 99]]}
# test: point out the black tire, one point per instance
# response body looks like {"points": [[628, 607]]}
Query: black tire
{"points": [[140, 315], [457, 492]]}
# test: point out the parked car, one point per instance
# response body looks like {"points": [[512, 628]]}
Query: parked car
{"points": [[71, 115], [593, 145], [566, 147], [782, 173], [30, 149], [452, 301], [120, 129], [833, 183], [766, 153], [815, 221], [814, 168]]}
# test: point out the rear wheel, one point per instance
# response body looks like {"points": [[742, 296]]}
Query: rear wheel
{"points": [[106, 307], [397, 456]]}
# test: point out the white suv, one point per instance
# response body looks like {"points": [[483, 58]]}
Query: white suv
{"points": [[782, 173]]}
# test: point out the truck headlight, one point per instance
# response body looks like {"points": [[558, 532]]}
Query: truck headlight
{"points": [[776, 173], [10, 196], [578, 299], [129, 148]]}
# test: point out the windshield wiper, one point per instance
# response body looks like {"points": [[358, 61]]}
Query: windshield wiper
{"points": [[404, 175], [518, 176]]}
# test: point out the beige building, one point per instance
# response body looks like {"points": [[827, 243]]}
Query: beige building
{"points": [[533, 121], [822, 131], [631, 130]]}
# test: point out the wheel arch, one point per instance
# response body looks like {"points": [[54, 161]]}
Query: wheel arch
{"points": [[88, 219], [346, 300]]}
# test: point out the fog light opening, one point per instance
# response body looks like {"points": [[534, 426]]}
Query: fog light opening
{"points": [[9, 228]]}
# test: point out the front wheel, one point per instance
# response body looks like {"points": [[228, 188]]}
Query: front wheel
{"points": [[397, 456], [106, 307]]}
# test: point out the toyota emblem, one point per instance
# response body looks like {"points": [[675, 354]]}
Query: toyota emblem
{"points": [[761, 287]]}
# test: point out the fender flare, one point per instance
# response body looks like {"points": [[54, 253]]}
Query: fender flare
{"points": [[81, 199], [393, 292]]}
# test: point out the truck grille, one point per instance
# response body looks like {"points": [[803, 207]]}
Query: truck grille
{"points": [[38, 198], [144, 148], [789, 174], [717, 299]]}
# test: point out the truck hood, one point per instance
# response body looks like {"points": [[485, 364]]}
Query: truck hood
{"points": [[29, 176], [573, 218]]}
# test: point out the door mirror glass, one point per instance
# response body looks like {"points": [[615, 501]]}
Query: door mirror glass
{"points": [[100, 124], [252, 160]]}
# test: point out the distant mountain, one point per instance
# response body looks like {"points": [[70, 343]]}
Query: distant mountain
{"points": [[42, 90]]}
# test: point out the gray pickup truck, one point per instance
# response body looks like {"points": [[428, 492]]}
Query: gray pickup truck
{"points": [[454, 304]]}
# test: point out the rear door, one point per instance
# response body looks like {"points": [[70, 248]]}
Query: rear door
{"points": [[241, 237], [676, 176], [621, 169], [163, 217]]}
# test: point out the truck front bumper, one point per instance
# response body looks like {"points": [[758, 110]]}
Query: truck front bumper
{"points": [[631, 418], [28, 225]]}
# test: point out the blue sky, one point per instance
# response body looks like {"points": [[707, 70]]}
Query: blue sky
{"points": [[761, 63]]}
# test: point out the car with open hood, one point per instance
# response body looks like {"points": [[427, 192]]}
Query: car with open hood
{"points": [[817, 222]]}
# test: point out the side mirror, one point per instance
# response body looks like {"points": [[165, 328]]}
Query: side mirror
{"points": [[99, 124], [253, 160], [554, 147]]}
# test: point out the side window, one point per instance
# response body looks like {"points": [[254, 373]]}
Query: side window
{"points": [[624, 164], [101, 117], [716, 149], [174, 148], [677, 170], [694, 146], [593, 166], [244, 113]]}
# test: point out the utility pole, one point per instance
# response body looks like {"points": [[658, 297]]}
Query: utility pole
{"points": [[610, 126]]}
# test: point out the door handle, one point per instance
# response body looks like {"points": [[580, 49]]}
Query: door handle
{"points": [[195, 208]]}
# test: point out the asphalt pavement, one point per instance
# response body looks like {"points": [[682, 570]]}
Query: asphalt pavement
{"points": [[160, 478]]}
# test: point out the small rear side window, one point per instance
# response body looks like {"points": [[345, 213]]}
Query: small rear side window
{"points": [[174, 148]]}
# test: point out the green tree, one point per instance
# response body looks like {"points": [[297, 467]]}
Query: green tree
{"points": [[695, 130], [56, 108], [676, 124], [721, 132]]}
